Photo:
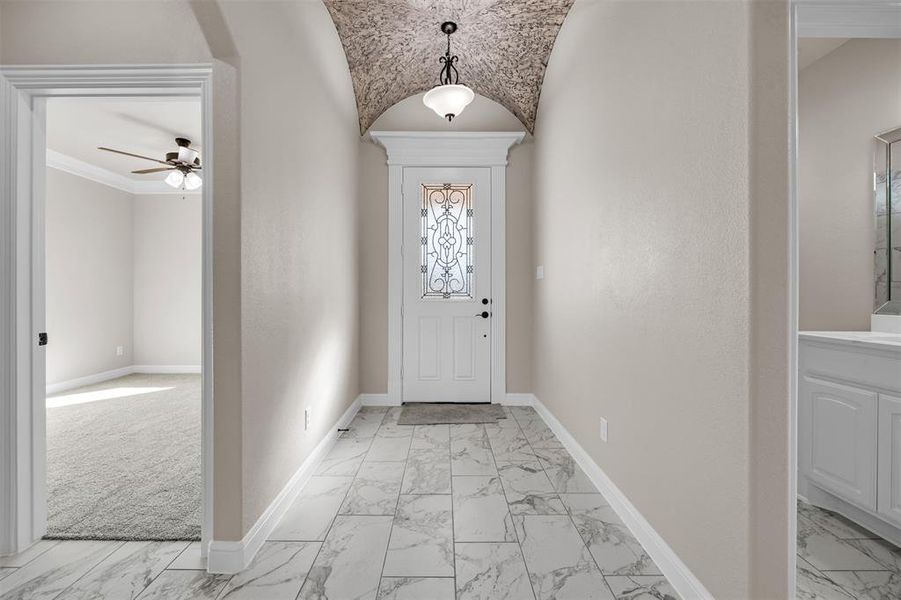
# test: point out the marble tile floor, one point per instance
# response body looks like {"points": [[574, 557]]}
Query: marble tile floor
{"points": [[839, 560], [424, 512]]}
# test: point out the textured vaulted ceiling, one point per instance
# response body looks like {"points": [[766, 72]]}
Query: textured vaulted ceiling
{"points": [[393, 46]]}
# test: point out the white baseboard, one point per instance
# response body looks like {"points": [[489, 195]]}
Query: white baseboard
{"points": [[62, 386], [233, 557], [676, 571], [515, 399], [168, 369], [376, 400], [71, 384]]}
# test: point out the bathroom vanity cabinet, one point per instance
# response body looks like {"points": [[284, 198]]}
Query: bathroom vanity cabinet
{"points": [[849, 443]]}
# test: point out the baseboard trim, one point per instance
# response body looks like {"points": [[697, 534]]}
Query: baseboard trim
{"points": [[676, 571], [71, 384], [232, 557], [166, 369], [376, 400], [517, 399]]}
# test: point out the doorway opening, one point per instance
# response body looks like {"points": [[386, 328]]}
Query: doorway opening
{"points": [[25, 94], [847, 427], [123, 299]]}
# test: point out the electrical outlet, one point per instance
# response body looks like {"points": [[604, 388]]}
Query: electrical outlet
{"points": [[307, 418], [120, 350], [603, 429], [539, 272]]}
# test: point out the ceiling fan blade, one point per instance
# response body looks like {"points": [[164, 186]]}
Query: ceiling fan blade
{"points": [[162, 162], [157, 170]]}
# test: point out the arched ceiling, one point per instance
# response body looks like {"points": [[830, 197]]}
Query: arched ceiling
{"points": [[393, 46]]}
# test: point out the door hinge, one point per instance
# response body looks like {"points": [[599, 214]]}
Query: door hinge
{"points": [[42, 338]]}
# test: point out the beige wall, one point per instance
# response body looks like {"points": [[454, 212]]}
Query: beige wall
{"points": [[299, 239], [844, 99], [285, 142], [168, 306], [411, 115], [89, 275], [653, 149]]}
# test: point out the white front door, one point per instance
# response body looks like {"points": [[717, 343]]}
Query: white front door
{"points": [[447, 284]]}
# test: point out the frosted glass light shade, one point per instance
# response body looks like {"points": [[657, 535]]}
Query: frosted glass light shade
{"points": [[175, 179], [448, 101], [187, 155], [192, 181]]}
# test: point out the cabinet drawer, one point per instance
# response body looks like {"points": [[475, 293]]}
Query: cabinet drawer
{"points": [[842, 439]]}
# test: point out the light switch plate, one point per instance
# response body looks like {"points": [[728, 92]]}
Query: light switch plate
{"points": [[603, 429], [539, 272]]}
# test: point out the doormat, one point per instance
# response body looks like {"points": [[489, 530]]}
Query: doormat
{"points": [[423, 413]]}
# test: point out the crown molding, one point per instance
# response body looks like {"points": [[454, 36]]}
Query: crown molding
{"points": [[80, 168], [848, 18]]}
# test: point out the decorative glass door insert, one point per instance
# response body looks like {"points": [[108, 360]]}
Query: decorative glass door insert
{"points": [[447, 241]]}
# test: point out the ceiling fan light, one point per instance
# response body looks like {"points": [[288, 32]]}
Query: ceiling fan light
{"points": [[192, 181], [187, 155], [175, 179], [448, 100]]}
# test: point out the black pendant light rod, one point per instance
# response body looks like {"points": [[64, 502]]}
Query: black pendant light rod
{"points": [[448, 74]]}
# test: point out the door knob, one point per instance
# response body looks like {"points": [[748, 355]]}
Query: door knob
{"points": [[484, 314]]}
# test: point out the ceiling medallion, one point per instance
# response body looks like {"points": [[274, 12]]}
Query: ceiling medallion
{"points": [[450, 97]]}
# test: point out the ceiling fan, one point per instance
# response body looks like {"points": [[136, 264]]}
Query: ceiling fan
{"points": [[180, 165]]}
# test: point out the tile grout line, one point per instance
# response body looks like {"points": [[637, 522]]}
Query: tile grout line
{"points": [[80, 577], [378, 584], [522, 553], [569, 514], [343, 499]]}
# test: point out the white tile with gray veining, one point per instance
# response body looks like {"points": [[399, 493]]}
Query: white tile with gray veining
{"points": [[491, 570], [558, 562], [348, 564], [185, 585], [641, 587], [127, 571], [428, 472], [422, 538], [529, 491], [311, 514], [277, 572], [480, 510], [614, 548], [826, 552], [374, 490], [565, 474], [345, 458], [53, 571], [431, 437], [390, 444], [416, 588]]}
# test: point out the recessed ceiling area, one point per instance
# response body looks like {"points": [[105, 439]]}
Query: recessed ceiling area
{"points": [[393, 47], [146, 126]]}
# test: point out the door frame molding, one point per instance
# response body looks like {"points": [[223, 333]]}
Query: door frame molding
{"points": [[447, 149], [23, 94]]}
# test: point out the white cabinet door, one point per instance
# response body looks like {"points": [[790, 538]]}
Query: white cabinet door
{"points": [[889, 501], [842, 438]]}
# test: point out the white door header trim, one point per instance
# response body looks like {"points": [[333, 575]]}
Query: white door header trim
{"points": [[447, 149]]}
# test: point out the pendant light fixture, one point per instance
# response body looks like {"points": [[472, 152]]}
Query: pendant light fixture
{"points": [[450, 97]]}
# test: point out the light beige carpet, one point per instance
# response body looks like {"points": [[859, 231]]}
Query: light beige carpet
{"points": [[424, 413], [123, 460]]}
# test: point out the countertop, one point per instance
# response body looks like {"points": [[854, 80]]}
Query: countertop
{"points": [[877, 339]]}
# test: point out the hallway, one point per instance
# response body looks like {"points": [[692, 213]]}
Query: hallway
{"points": [[429, 512]]}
